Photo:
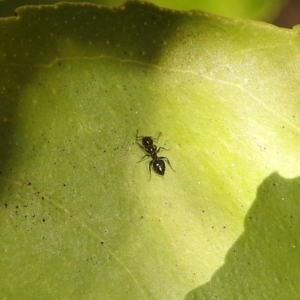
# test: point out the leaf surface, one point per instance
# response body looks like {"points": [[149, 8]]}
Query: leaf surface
{"points": [[80, 218]]}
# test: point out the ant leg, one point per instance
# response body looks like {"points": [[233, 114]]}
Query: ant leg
{"points": [[162, 148], [164, 158], [150, 165], [137, 137], [158, 135], [145, 156], [140, 145]]}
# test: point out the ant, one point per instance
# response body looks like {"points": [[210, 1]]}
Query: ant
{"points": [[157, 163]]}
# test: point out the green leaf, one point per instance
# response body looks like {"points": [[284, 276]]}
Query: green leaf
{"points": [[80, 218], [261, 264], [255, 9]]}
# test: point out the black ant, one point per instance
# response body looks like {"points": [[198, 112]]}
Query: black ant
{"points": [[157, 163]]}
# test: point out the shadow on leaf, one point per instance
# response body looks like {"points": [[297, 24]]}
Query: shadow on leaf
{"points": [[44, 38], [263, 263]]}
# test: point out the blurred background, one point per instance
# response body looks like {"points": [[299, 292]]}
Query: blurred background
{"points": [[289, 15], [283, 13]]}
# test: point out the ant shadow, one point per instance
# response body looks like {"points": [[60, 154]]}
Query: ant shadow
{"points": [[263, 262]]}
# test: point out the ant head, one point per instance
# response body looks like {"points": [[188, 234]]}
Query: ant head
{"points": [[147, 141]]}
